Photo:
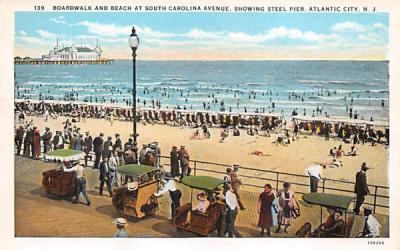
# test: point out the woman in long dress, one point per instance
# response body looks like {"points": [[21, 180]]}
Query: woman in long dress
{"points": [[265, 217], [285, 200]]}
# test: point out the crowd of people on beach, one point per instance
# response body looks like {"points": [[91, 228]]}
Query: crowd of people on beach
{"points": [[175, 117], [255, 124]]}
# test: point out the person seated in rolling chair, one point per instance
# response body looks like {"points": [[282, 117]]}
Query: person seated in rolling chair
{"points": [[326, 224], [201, 206], [131, 188], [335, 229]]}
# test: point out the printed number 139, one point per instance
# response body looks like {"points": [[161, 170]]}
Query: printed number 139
{"points": [[39, 7]]}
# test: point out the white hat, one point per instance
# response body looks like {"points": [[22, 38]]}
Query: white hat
{"points": [[202, 196], [132, 185], [121, 222]]}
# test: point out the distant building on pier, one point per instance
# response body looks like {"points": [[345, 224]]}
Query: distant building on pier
{"points": [[73, 53], [68, 55]]}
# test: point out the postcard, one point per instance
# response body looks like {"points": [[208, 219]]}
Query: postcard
{"points": [[165, 121]]}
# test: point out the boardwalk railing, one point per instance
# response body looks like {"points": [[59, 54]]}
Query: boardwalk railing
{"points": [[255, 178]]}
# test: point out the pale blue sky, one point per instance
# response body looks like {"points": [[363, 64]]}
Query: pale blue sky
{"points": [[210, 36]]}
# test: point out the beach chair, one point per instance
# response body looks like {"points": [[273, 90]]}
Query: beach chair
{"points": [[333, 201], [138, 202], [200, 223]]}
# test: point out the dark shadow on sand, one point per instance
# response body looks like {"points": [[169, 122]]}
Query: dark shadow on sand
{"points": [[112, 212], [251, 231], [169, 230], [107, 210], [42, 193]]}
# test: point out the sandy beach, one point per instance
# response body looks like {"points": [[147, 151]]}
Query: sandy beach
{"points": [[293, 158]]}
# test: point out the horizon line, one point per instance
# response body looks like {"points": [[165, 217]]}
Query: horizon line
{"points": [[233, 60], [254, 60]]}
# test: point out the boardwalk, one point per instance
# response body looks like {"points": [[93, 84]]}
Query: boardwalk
{"points": [[37, 214]]}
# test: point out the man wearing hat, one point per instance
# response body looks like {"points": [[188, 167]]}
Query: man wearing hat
{"points": [[121, 232], [336, 228], [107, 147], [231, 202], [130, 157], [104, 176], [98, 149], [58, 141], [46, 137], [28, 142], [361, 187], [236, 182], [371, 226], [19, 136], [157, 150], [128, 144], [152, 154], [87, 146], [184, 161], [174, 161], [117, 150], [174, 193], [78, 141], [143, 153]]}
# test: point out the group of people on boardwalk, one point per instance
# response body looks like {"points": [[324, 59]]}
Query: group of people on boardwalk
{"points": [[179, 162], [276, 208], [361, 190], [108, 154]]}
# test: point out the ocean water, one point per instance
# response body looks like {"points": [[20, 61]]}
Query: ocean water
{"points": [[270, 86]]}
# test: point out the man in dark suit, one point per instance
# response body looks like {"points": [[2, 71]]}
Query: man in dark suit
{"points": [[117, 144], [361, 187], [118, 150], [87, 147], [28, 142], [107, 149], [105, 176], [98, 149], [184, 161], [19, 136], [46, 137], [58, 141]]}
